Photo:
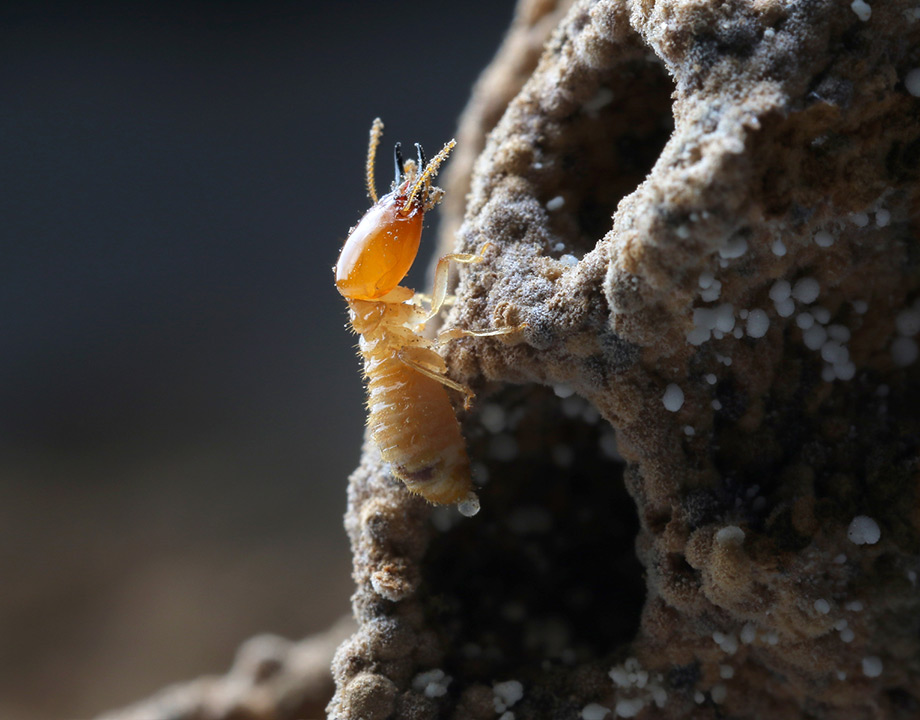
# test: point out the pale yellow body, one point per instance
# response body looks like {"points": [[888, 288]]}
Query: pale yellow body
{"points": [[410, 415]]}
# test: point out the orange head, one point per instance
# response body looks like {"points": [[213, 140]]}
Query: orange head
{"points": [[382, 247]]}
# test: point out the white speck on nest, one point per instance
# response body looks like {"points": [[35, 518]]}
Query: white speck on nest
{"points": [[780, 290], [718, 693], [823, 238], [727, 643], [433, 683], [506, 694], [706, 279], [882, 217], [833, 352], [562, 390], [806, 290], [785, 308], [821, 314], [725, 317], [804, 320], [555, 203], [629, 707], [814, 337], [492, 417], [726, 672], [860, 307], [844, 370], [863, 530], [711, 294], [840, 333], [569, 260], [872, 666], [859, 219], [778, 248], [730, 535], [748, 633], [698, 336], [689, 431], [854, 606], [469, 506], [734, 248], [862, 9], [559, 247], [673, 398], [593, 711], [912, 80], [822, 606], [757, 323]]}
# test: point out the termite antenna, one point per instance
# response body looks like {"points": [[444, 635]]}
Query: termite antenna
{"points": [[376, 132], [422, 160], [398, 161], [424, 180]]}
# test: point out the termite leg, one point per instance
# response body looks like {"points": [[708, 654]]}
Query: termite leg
{"points": [[455, 333], [376, 132], [441, 274], [438, 377], [426, 298]]}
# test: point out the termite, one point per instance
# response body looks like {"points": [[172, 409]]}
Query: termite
{"points": [[410, 415]]}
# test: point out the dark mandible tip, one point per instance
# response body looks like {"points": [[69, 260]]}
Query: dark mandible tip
{"points": [[398, 160], [422, 160]]}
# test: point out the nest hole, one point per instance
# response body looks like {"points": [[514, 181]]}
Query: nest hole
{"points": [[546, 575], [605, 149]]}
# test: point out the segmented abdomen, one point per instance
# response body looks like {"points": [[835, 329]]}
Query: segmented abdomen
{"points": [[414, 425]]}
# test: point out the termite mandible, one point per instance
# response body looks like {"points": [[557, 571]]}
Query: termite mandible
{"points": [[410, 415]]}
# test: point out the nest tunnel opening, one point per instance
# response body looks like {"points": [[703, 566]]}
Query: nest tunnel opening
{"points": [[546, 575], [600, 153]]}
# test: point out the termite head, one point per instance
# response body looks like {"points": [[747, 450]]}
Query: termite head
{"points": [[382, 247]]}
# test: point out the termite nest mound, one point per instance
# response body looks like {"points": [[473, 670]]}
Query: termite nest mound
{"points": [[707, 215]]}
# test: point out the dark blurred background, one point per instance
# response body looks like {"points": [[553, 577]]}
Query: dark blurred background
{"points": [[180, 404]]}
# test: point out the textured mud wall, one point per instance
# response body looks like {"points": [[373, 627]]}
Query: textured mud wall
{"points": [[707, 213]]}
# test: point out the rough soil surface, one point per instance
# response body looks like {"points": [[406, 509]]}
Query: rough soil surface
{"points": [[707, 213]]}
